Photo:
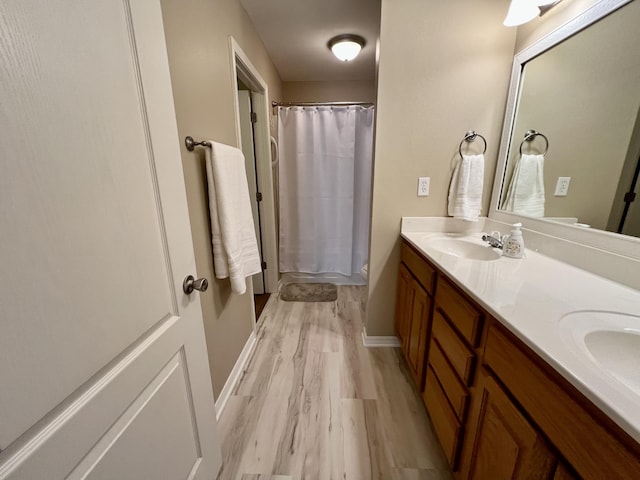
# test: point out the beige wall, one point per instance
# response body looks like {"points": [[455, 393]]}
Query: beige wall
{"points": [[341, 91], [444, 69], [197, 41]]}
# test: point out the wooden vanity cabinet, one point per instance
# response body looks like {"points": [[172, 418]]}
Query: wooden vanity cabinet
{"points": [[498, 409], [435, 320], [416, 281], [580, 434]]}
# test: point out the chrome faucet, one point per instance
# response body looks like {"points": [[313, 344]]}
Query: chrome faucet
{"points": [[495, 240]]}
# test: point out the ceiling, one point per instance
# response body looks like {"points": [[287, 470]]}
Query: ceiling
{"points": [[296, 32]]}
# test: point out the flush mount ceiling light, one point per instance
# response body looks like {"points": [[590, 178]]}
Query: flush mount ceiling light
{"points": [[346, 47], [522, 11]]}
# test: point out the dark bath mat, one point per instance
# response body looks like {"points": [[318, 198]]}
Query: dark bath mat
{"points": [[309, 292]]}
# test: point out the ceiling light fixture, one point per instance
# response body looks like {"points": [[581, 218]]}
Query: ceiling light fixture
{"points": [[346, 47]]}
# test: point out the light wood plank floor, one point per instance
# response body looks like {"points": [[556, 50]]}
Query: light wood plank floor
{"points": [[314, 403]]}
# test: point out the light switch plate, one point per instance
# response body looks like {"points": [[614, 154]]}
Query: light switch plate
{"points": [[423, 186], [562, 187]]}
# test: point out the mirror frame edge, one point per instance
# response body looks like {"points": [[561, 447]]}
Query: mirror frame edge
{"points": [[609, 241]]}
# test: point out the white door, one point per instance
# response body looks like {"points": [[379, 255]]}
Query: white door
{"points": [[103, 366], [248, 149]]}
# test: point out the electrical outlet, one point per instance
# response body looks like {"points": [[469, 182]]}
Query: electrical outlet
{"points": [[562, 187], [423, 186]]}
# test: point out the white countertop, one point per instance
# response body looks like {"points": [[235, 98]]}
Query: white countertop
{"points": [[530, 297]]}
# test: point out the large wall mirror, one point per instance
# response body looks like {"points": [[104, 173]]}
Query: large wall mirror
{"points": [[571, 142]]}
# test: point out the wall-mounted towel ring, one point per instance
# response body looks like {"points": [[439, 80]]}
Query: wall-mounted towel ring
{"points": [[530, 135], [470, 136]]}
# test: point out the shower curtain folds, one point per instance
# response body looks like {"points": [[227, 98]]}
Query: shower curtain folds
{"points": [[325, 188]]}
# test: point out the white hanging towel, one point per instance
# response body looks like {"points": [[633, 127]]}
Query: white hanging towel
{"points": [[465, 191], [235, 248], [525, 194]]}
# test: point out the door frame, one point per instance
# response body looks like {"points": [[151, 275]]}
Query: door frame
{"points": [[241, 67]]}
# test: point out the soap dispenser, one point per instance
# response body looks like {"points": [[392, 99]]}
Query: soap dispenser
{"points": [[514, 244]]}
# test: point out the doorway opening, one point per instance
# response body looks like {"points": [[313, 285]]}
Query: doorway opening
{"points": [[630, 221], [248, 119], [253, 137], [625, 212]]}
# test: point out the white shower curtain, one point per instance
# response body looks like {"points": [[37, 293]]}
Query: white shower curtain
{"points": [[325, 188]]}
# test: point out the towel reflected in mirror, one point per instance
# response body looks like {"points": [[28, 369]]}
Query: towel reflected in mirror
{"points": [[525, 195]]}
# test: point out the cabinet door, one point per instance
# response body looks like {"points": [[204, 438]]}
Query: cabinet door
{"points": [[506, 445], [417, 339], [403, 305]]}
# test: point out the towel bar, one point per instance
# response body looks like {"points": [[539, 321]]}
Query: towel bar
{"points": [[190, 143], [530, 135], [470, 136]]}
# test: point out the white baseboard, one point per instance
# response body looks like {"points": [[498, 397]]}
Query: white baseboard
{"points": [[236, 374], [378, 341]]}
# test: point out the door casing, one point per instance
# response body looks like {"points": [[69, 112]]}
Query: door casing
{"points": [[242, 68]]}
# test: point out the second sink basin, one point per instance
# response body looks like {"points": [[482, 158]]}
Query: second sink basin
{"points": [[611, 340], [461, 247]]}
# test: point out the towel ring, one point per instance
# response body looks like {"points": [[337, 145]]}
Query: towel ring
{"points": [[530, 135], [470, 136]]}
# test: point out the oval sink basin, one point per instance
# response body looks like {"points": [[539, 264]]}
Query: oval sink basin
{"points": [[609, 339], [461, 248]]}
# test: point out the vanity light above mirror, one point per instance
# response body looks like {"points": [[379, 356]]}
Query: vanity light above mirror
{"points": [[523, 11], [580, 88]]}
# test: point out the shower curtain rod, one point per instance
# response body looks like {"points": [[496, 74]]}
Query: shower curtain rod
{"points": [[274, 105]]}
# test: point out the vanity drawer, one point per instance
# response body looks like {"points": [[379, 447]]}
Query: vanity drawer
{"points": [[444, 420], [464, 315], [460, 357], [449, 381], [423, 272]]}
